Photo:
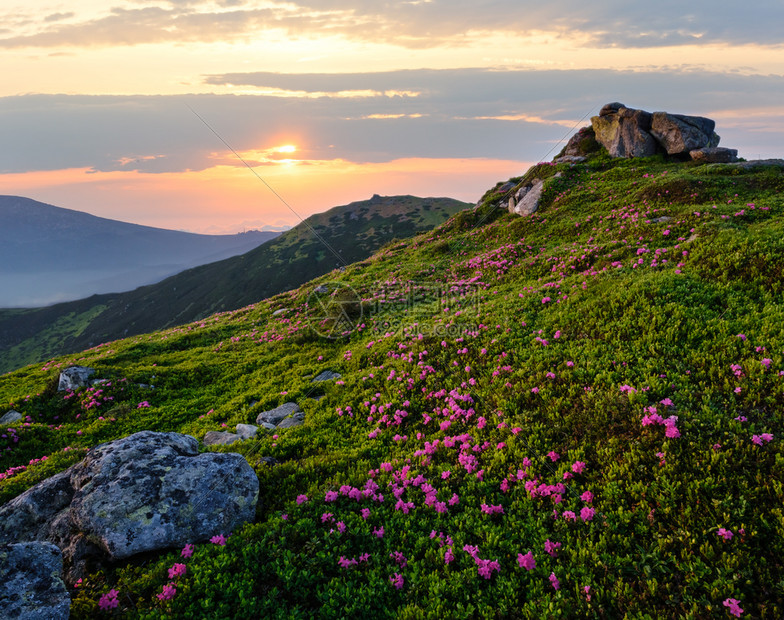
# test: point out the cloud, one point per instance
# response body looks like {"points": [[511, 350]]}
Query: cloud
{"points": [[608, 23], [469, 113]]}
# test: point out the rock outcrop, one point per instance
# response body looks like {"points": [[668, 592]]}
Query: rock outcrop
{"points": [[74, 377], [626, 132], [31, 582], [272, 418], [714, 155], [145, 492]]}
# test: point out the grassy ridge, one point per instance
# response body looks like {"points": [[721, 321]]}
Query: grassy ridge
{"points": [[321, 243], [573, 414]]}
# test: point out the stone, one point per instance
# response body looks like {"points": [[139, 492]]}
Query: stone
{"points": [[625, 132], [581, 143], [530, 201], [611, 108], [321, 289], [761, 163], [31, 582], [74, 377], [219, 438], [280, 311], [152, 491], [274, 416], [247, 431], [146, 492], [714, 155], [295, 420], [29, 516], [10, 417], [327, 375], [680, 134]]}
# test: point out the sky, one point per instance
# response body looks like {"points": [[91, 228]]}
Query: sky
{"points": [[217, 116]]}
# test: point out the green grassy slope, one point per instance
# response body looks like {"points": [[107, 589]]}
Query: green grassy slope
{"points": [[597, 388], [321, 243]]}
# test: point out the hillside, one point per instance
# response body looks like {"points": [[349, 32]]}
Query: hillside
{"points": [[50, 254], [570, 414], [321, 243]]}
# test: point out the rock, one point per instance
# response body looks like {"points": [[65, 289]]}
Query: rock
{"points": [[10, 417], [625, 132], [661, 220], [247, 431], [327, 375], [274, 416], [295, 420], [267, 425], [74, 377], [611, 108], [581, 143], [761, 163], [321, 289], [530, 201], [146, 492], [714, 155], [31, 582], [279, 312], [680, 134], [153, 491], [29, 516], [219, 438], [508, 186]]}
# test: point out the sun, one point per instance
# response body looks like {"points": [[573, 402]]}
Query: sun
{"points": [[286, 148]]}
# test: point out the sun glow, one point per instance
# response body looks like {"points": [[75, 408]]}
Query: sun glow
{"points": [[286, 148]]}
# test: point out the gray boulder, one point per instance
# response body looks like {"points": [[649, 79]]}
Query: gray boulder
{"points": [[581, 143], [296, 419], [274, 416], [624, 132], [74, 377], [146, 492], [680, 134], [154, 491], [31, 582], [714, 155], [327, 375], [220, 438], [529, 200], [10, 417], [247, 431]]}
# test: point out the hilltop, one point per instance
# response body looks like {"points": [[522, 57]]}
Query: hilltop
{"points": [[50, 254], [571, 413], [321, 243]]}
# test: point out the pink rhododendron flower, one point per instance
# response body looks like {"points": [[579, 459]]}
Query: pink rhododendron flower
{"points": [[220, 540], [109, 600], [554, 581], [587, 513], [578, 467], [725, 534], [733, 606], [397, 580], [552, 548], [168, 592], [554, 456], [187, 551], [177, 570], [301, 499], [526, 561]]}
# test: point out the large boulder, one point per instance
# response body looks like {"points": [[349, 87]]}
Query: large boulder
{"points": [[74, 377], [578, 146], [624, 132], [679, 134], [527, 199], [31, 582], [146, 492], [275, 416]]}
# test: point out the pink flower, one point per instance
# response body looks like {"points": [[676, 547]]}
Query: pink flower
{"points": [[766, 362], [109, 600], [760, 439], [733, 607], [177, 570], [378, 532], [552, 548], [725, 534], [526, 561], [587, 513], [365, 513], [445, 474], [330, 496], [397, 580], [578, 467], [545, 300], [554, 456], [220, 540], [554, 581], [587, 497], [187, 551], [587, 590], [168, 592], [301, 499], [742, 337]]}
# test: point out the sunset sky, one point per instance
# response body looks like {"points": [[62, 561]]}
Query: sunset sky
{"points": [[147, 111]]}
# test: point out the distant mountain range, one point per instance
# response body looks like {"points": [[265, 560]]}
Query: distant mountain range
{"points": [[49, 254], [318, 245]]}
